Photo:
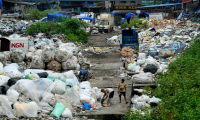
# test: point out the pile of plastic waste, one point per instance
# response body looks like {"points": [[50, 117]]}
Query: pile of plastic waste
{"points": [[159, 45], [102, 50], [44, 93]]}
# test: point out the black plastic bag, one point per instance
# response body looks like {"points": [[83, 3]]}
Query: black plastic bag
{"points": [[4, 89], [150, 68], [12, 81], [43, 75]]}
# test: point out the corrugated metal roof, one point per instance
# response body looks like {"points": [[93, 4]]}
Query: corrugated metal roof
{"points": [[162, 5]]}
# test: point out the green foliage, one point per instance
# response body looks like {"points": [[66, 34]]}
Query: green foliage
{"points": [[179, 88], [72, 28], [137, 22], [35, 14]]}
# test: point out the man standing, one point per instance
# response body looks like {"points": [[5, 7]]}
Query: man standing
{"points": [[122, 90], [109, 92]]}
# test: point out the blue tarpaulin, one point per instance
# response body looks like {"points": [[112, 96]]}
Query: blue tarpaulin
{"points": [[86, 18], [123, 20], [1, 4], [114, 14], [129, 15], [56, 17], [64, 12], [146, 14]]}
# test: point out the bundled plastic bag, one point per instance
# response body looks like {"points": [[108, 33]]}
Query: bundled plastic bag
{"points": [[18, 55], [3, 80], [150, 68], [136, 68], [67, 113], [7, 55], [85, 85], [28, 88], [37, 63], [43, 74], [32, 49], [69, 65], [73, 97], [154, 100], [4, 89], [131, 67], [140, 62], [58, 110], [34, 76], [59, 87], [6, 106], [26, 109], [71, 78], [22, 65], [126, 51], [12, 94], [49, 98], [38, 52], [47, 54], [84, 98], [64, 102], [142, 78], [12, 81], [62, 55], [1, 68], [12, 71], [34, 71], [54, 65], [141, 105], [2, 58], [166, 53], [29, 56], [58, 76], [142, 56]]}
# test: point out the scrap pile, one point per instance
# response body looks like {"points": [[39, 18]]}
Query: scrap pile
{"points": [[42, 82], [159, 45]]}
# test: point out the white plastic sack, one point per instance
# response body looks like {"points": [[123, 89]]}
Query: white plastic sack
{"points": [[4, 80], [71, 78], [47, 54], [69, 65], [85, 85], [7, 55], [154, 100], [12, 94], [2, 58], [141, 105], [59, 87], [49, 98], [84, 98], [38, 52], [29, 55], [142, 78], [12, 71], [1, 68], [58, 76], [142, 56], [136, 68], [151, 60], [37, 63], [18, 55], [26, 109], [32, 49], [34, 71], [62, 55], [131, 67], [34, 76], [67, 113], [140, 62], [6, 106]]}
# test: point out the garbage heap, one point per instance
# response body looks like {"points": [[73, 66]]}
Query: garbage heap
{"points": [[159, 45], [44, 94]]}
